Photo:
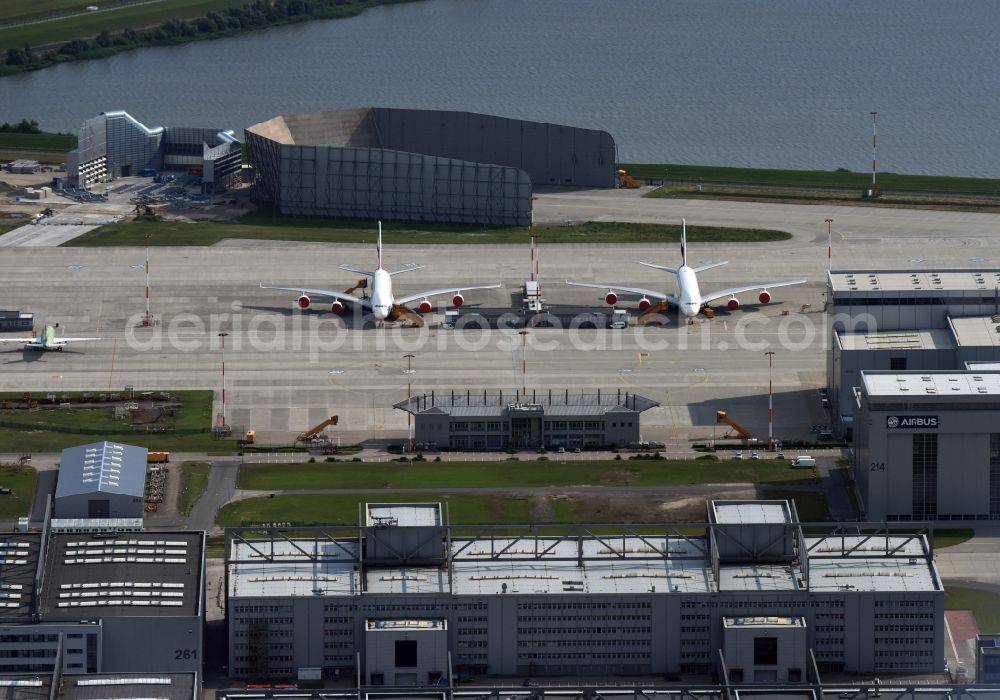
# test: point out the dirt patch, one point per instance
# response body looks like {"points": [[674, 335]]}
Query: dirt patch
{"points": [[692, 509], [540, 509], [494, 506], [647, 508], [618, 476]]}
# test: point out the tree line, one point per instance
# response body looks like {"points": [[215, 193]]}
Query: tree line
{"points": [[253, 15]]}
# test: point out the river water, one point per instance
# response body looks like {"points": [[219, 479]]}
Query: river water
{"points": [[765, 83]]}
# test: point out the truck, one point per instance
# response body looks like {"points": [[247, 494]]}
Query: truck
{"points": [[803, 461], [619, 319]]}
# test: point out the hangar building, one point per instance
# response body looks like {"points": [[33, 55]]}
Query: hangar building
{"points": [[101, 480], [928, 445], [420, 165], [403, 593], [116, 144], [94, 595], [480, 420]]}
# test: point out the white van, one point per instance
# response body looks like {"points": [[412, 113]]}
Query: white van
{"points": [[803, 461]]}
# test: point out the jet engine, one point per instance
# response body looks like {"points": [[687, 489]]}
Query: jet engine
{"points": [[611, 298], [644, 304], [337, 307], [425, 306], [733, 304], [764, 297], [456, 300], [303, 302]]}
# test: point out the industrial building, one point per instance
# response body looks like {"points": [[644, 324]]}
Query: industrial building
{"points": [[485, 420], [907, 320], [102, 602], [402, 598], [988, 658], [420, 165], [116, 686], [101, 480], [115, 144], [928, 445]]}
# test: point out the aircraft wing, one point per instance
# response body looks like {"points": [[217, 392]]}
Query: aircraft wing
{"points": [[323, 293], [749, 288], [17, 340], [629, 290], [63, 341], [444, 290], [353, 268]]}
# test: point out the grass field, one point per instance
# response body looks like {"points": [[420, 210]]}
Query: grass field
{"points": [[949, 537], [984, 605], [810, 505], [93, 23], [322, 230], [814, 178], [395, 475], [39, 142], [23, 430], [194, 482], [21, 482]]}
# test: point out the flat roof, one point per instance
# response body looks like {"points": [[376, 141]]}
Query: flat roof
{"points": [[751, 512], [957, 280], [19, 555], [927, 386], [976, 331], [860, 563], [424, 579], [757, 577], [25, 686], [277, 569], [403, 514], [982, 366], [135, 574], [921, 339], [126, 686]]}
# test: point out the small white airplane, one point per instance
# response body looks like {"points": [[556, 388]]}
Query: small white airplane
{"points": [[382, 303], [689, 299], [46, 340]]}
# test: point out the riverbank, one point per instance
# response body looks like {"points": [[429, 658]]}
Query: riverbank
{"points": [[39, 41]]}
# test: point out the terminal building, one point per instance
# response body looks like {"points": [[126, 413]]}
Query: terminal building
{"points": [[420, 165], [404, 599], [116, 144], [482, 420], [101, 602]]}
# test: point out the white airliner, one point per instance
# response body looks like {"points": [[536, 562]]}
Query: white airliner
{"points": [[689, 300], [46, 340], [382, 303]]}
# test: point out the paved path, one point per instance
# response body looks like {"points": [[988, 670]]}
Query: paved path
{"points": [[43, 235]]}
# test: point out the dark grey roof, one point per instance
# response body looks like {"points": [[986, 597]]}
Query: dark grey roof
{"points": [[169, 686], [107, 467], [132, 574], [19, 555], [557, 402]]}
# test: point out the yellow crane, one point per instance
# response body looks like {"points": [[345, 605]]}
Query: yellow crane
{"points": [[720, 417]]}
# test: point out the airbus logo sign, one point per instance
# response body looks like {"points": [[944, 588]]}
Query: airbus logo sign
{"points": [[911, 422]]}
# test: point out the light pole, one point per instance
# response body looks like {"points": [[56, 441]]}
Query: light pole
{"points": [[148, 318], [524, 361], [829, 245], [222, 424], [874, 116], [409, 396], [770, 402]]}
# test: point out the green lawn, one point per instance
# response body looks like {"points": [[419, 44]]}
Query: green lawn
{"points": [[14, 9], [39, 142], [395, 475], [984, 605], [949, 537], [21, 482], [259, 227], [93, 23], [23, 430], [814, 178], [810, 505], [194, 481]]}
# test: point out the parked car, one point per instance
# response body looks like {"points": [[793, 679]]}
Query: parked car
{"points": [[737, 455]]}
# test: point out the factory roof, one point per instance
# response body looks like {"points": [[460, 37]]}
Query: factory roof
{"points": [[25, 686], [19, 555], [863, 563], [423, 579], [108, 467], [922, 339], [982, 366], [918, 281], [751, 512], [135, 574], [551, 402], [277, 568], [125, 686], [976, 331], [932, 386], [403, 514]]}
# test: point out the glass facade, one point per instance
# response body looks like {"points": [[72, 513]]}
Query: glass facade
{"points": [[995, 474], [925, 464]]}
